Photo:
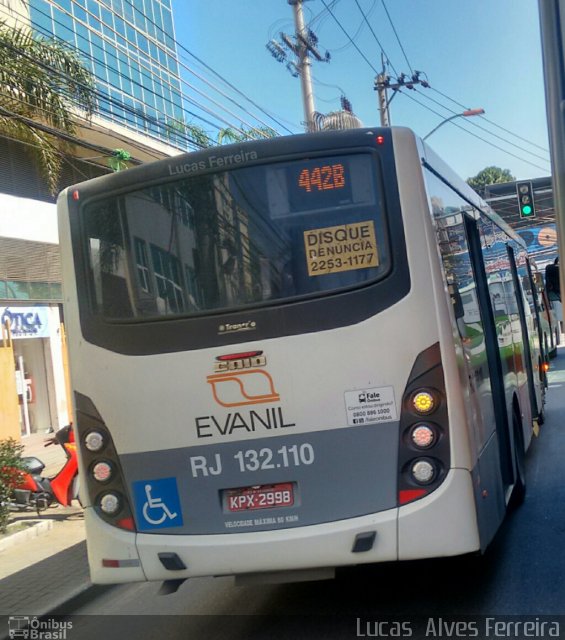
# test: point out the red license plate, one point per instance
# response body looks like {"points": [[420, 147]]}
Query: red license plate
{"points": [[267, 496]]}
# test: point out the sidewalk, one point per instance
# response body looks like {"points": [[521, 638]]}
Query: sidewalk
{"points": [[46, 566]]}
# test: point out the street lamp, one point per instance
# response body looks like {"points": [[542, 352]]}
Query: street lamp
{"points": [[465, 114]]}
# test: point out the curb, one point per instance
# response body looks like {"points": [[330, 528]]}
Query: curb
{"points": [[35, 529], [75, 598]]}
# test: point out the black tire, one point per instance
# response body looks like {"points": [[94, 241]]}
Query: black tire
{"points": [[519, 491]]}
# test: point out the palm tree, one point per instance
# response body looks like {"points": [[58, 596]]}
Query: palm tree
{"points": [[243, 134], [43, 87]]}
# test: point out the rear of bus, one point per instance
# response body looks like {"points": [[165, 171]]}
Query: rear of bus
{"points": [[254, 335]]}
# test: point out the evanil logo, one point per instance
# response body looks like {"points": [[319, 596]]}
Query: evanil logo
{"points": [[240, 379]]}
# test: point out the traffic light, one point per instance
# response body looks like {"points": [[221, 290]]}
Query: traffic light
{"points": [[525, 193]]}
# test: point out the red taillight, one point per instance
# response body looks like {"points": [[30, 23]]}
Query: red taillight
{"points": [[380, 139], [126, 523], [409, 495], [76, 195]]}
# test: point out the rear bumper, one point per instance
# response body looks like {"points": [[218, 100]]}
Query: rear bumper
{"points": [[441, 524]]}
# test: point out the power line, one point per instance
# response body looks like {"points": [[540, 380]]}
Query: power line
{"points": [[357, 32], [59, 153], [149, 76], [493, 123], [183, 48], [443, 106], [184, 66], [495, 135], [397, 37], [100, 95], [349, 37], [455, 124], [97, 93], [107, 97], [122, 105], [365, 17], [57, 133]]}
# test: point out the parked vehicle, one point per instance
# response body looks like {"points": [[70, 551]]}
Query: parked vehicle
{"points": [[39, 492]]}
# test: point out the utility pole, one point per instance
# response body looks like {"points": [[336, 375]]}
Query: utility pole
{"points": [[383, 83], [302, 46], [304, 63], [381, 87]]}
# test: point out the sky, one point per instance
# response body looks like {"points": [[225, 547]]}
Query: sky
{"points": [[480, 54]]}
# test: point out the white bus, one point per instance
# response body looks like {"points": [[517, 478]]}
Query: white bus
{"points": [[272, 373]]}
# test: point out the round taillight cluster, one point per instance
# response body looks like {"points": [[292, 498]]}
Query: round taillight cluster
{"points": [[423, 436], [104, 476]]}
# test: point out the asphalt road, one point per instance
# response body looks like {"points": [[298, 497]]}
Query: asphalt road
{"points": [[522, 573]]}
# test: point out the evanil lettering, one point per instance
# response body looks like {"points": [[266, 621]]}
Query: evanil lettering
{"points": [[268, 419]]}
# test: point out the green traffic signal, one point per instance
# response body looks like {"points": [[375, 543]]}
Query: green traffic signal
{"points": [[525, 194]]}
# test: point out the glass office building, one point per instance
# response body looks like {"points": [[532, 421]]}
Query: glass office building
{"points": [[131, 50]]}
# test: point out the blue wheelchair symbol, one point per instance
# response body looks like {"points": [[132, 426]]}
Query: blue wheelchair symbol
{"points": [[157, 504]]}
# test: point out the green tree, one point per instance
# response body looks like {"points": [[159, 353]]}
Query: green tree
{"points": [[241, 135], [197, 134], [43, 84], [490, 175]]}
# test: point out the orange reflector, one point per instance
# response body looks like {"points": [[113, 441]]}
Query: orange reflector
{"points": [[126, 523], [408, 495], [76, 195], [126, 563], [545, 367]]}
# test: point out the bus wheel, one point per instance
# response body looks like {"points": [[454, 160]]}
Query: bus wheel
{"points": [[519, 491]]}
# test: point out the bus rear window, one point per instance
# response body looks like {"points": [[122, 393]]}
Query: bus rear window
{"points": [[227, 240]]}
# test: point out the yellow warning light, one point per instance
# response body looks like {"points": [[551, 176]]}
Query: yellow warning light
{"points": [[423, 402]]}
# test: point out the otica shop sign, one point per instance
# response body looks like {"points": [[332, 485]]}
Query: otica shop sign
{"points": [[26, 322]]}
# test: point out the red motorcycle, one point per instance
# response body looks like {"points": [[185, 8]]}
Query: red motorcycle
{"points": [[38, 492]]}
